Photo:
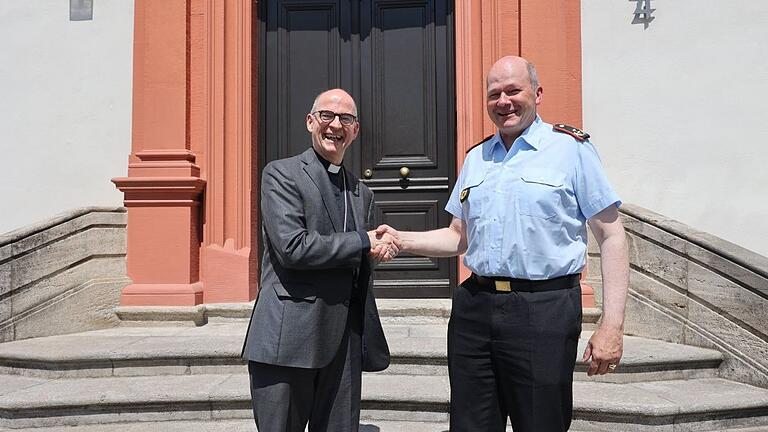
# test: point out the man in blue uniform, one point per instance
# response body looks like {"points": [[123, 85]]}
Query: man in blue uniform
{"points": [[520, 208]]}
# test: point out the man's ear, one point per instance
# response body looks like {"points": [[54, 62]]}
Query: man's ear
{"points": [[310, 120]]}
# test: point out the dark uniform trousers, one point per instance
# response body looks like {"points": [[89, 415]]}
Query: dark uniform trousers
{"points": [[286, 398], [512, 354]]}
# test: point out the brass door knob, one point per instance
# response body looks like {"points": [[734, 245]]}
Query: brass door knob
{"points": [[405, 172], [368, 173]]}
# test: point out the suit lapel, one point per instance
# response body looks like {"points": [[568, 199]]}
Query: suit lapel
{"points": [[316, 172]]}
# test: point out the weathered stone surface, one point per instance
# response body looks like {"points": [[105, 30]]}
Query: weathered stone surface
{"points": [[67, 282], [640, 230], [34, 235], [715, 262], [734, 341], [713, 292], [5, 280], [728, 297], [660, 262], [242, 425], [84, 308], [642, 319], [670, 298], [62, 275], [238, 425], [66, 252], [6, 312], [414, 307], [722, 255]]}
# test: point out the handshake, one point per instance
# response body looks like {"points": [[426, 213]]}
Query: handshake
{"points": [[385, 243]]}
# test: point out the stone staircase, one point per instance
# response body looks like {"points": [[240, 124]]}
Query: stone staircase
{"points": [[174, 375]]}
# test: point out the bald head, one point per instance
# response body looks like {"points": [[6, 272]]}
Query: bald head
{"points": [[508, 64], [513, 93], [330, 136], [334, 96]]}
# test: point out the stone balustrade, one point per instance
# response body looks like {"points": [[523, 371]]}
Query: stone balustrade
{"points": [[690, 287], [63, 275]]}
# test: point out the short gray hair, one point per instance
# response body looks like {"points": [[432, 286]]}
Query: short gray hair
{"points": [[532, 75], [314, 104]]}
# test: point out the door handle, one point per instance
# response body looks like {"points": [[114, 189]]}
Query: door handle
{"points": [[368, 173], [405, 172]]}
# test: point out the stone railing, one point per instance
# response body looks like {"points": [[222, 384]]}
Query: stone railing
{"points": [[63, 275], [691, 287]]}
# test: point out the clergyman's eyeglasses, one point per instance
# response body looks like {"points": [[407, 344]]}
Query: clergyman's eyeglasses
{"points": [[328, 116]]}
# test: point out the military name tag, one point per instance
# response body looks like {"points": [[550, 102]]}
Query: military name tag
{"points": [[464, 194]]}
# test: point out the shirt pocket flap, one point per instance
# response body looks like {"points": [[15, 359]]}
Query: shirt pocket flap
{"points": [[304, 292], [473, 180], [544, 177]]}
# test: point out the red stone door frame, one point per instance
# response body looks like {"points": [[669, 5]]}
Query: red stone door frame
{"points": [[192, 173]]}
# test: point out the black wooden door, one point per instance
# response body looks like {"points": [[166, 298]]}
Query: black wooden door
{"points": [[396, 59]]}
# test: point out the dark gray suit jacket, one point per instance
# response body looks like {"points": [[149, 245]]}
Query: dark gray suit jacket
{"points": [[309, 269]]}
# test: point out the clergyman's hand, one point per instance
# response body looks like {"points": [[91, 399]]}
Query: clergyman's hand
{"points": [[384, 246], [384, 230]]}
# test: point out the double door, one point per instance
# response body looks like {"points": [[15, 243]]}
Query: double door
{"points": [[395, 57]]}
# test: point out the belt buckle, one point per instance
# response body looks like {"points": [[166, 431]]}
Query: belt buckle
{"points": [[502, 286]]}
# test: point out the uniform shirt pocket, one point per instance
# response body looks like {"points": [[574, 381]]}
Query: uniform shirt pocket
{"points": [[540, 192], [471, 197]]}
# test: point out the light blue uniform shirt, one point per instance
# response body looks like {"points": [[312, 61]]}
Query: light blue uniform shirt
{"points": [[526, 208]]}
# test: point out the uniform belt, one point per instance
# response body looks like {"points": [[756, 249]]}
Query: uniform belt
{"points": [[506, 284]]}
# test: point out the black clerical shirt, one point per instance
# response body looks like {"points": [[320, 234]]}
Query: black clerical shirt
{"points": [[339, 190]]}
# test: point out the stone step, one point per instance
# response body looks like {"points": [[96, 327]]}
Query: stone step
{"points": [[243, 425], [417, 349], [422, 350], [234, 425], [705, 404], [391, 311], [246, 425]]}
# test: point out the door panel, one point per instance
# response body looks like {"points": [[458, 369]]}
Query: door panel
{"points": [[395, 58], [304, 51], [407, 93]]}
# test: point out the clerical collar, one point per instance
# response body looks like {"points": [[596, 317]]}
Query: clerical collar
{"points": [[331, 168]]}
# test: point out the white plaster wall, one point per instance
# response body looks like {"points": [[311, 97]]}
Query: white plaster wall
{"points": [[678, 110], [65, 107]]}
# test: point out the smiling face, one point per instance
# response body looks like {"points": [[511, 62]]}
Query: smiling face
{"points": [[512, 97], [331, 138]]}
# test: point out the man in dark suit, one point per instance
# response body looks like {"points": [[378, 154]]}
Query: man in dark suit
{"points": [[315, 326]]}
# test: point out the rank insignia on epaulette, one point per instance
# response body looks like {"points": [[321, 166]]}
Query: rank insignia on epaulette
{"points": [[579, 134], [464, 194]]}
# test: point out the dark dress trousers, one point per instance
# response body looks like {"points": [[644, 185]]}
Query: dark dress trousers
{"points": [[315, 325]]}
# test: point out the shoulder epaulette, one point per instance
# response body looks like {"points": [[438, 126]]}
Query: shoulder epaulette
{"points": [[481, 141], [578, 134]]}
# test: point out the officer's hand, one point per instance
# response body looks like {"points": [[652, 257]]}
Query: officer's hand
{"points": [[384, 246], [604, 350], [386, 229]]}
